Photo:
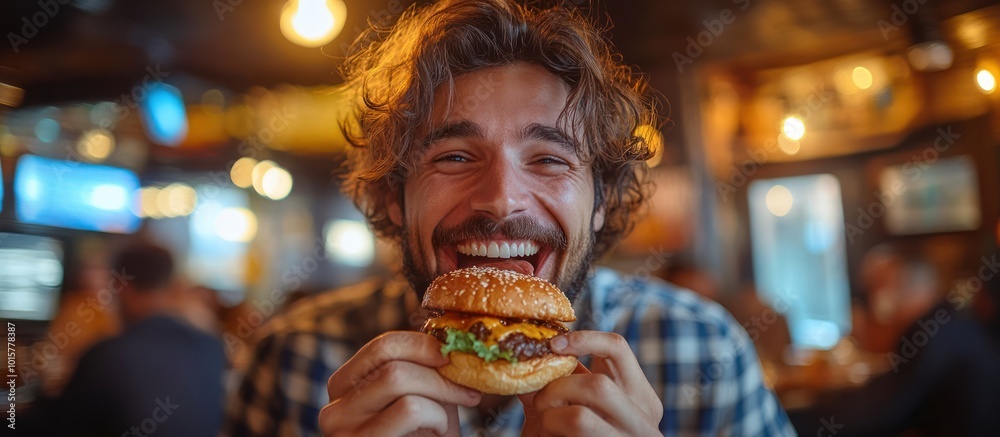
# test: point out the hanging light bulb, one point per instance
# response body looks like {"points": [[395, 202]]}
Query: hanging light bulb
{"points": [[793, 127], [312, 23]]}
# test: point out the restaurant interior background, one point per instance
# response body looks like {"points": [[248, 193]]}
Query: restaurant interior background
{"points": [[801, 137]]}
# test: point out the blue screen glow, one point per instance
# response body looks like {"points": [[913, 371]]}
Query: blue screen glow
{"points": [[799, 255], [164, 114], [74, 195]]}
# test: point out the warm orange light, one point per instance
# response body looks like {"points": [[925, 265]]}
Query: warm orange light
{"points": [[986, 80], [312, 23]]}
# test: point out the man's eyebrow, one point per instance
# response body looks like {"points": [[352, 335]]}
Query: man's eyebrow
{"points": [[461, 129], [551, 134]]}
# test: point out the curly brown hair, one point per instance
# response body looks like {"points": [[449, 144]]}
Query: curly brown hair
{"points": [[396, 72]]}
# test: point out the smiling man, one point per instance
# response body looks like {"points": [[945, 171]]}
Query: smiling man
{"points": [[512, 178], [494, 134]]}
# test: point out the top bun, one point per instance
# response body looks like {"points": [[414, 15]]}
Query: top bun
{"points": [[499, 293]]}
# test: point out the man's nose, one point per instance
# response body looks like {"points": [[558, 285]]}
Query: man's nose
{"points": [[503, 191]]}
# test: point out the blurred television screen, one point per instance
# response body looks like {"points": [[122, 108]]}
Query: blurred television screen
{"points": [[31, 276], [75, 195]]}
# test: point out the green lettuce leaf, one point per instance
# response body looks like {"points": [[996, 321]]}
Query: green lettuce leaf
{"points": [[461, 341]]}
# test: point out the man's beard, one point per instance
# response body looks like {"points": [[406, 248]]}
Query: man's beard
{"points": [[578, 262]]}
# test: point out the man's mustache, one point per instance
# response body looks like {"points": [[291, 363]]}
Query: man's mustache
{"points": [[479, 227]]}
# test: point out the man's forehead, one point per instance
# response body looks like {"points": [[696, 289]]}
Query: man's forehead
{"points": [[522, 94], [468, 93]]}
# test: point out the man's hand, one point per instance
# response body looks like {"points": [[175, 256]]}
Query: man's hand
{"points": [[614, 398], [390, 388]]}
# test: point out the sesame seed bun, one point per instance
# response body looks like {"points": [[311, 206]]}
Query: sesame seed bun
{"points": [[501, 293]]}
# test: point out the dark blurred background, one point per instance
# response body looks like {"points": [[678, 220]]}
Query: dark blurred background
{"points": [[828, 169]]}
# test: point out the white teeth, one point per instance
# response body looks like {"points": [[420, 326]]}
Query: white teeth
{"points": [[504, 249]]}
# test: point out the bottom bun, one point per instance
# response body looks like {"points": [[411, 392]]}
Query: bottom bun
{"points": [[503, 378]]}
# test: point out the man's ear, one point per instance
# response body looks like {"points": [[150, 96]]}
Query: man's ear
{"points": [[599, 218], [394, 207]]}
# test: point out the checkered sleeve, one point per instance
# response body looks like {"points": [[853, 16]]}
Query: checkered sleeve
{"points": [[254, 409], [704, 367], [285, 386], [714, 380]]}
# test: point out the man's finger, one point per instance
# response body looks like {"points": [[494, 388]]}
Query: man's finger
{"points": [[604, 345], [362, 369], [398, 379], [406, 415], [574, 420], [581, 370], [594, 391]]}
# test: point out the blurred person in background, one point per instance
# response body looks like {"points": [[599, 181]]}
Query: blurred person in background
{"points": [[766, 326], [942, 376], [682, 272], [898, 290], [86, 315], [199, 306], [491, 122], [161, 375]]}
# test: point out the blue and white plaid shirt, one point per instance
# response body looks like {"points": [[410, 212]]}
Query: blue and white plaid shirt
{"points": [[697, 358]]}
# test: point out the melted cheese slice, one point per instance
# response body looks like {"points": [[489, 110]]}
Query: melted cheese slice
{"points": [[494, 324]]}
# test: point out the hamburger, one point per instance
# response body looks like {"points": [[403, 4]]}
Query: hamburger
{"points": [[495, 326]]}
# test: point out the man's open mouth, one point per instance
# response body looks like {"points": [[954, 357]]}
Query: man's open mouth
{"points": [[522, 256]]}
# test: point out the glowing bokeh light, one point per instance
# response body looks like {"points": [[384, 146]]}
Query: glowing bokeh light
{"points": [[986, 80], [236, 224], [96, 144], [793, 127], [257, 175], [109, 197], [242, 172], [862, 78], [276, 183], [312, 23], [350, 242], [779, 200]]}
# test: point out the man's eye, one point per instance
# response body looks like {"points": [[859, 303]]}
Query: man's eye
{"points": [[548, 160], [452, 158]]}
